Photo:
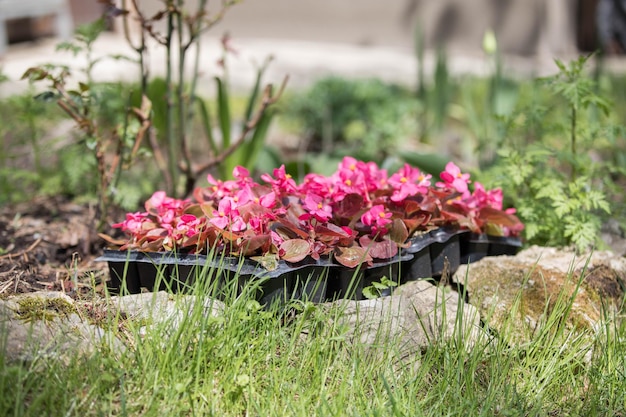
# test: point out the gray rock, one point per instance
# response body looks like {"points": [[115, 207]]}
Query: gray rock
{"points": [[529, 286], [612, 235], [52, 325], [416, 315], [161, 308], [47, 324]]}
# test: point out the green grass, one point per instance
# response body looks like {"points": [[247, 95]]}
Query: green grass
{"points": [[296, 362]]}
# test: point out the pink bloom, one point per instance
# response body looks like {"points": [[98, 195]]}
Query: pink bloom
{"points": [[242, 176], [227, 215], [349, 182], [363, 175], [257, 224], [165, 208], [282, 182], [348, 163], [187, 225], [377, 218], [162, 203], [318, 184], [453, 178], [407, 182], [267, 200], [133, 223], [221, 189], [492, 198], [277, 239], [316, 207], [238, 225]]}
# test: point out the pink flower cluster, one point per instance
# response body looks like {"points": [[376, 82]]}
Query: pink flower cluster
{"points": [[358, 211]]}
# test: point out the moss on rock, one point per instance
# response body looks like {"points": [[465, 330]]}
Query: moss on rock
{"points": [[37, 307]]}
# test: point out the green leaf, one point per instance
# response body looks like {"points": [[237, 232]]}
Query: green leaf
{"points": [[257, 142], [379, 285], [35, 74], [247, 154], [205, 119], [46, 96], [370, 292], [254, 94], [223, 112], [388, 282], [581, 232], [431, 163]]}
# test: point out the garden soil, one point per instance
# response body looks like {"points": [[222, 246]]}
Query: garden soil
{"points": [[50, 244]]}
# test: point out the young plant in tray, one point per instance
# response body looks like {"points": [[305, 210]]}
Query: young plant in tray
{"points": [[357, 215]]}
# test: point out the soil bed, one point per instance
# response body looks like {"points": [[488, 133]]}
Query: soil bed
{"points": [[50, 244]]}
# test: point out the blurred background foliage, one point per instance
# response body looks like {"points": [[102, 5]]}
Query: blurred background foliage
{"points": [[517, 134]]}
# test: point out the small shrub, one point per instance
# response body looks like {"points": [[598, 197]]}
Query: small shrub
{"points": [[559, 169], [368, 119]]}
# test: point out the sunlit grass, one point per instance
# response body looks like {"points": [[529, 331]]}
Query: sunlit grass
{"points": [[250, 360]]}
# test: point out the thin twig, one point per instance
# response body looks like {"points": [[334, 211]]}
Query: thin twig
{"points": [[24, 252], [8, 284], [17, 281], [268, 99]]}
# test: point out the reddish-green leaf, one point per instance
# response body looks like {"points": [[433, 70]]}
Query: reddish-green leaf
{"points": [[383, 249], [352, 256], [111, 240], [294, 250], [269, 261], [398, 231], [491, 215], [350, 205], [252, 244]]}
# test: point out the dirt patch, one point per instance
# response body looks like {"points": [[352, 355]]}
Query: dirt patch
{"points": [[606, 282], [49, 244]]}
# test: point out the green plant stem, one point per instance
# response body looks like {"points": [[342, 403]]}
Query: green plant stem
{"points": [[573, 144], [144, 74], [181, 100], [169, 100]]}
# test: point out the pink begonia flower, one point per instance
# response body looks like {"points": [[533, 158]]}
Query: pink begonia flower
{"points": [[362, 175], [187, 225], [350, 178], [221, 188], [165, 208], [348, 163], [133, 223], [277, 239], [282, 183], [267, 200], [257, 224], [492, 198], [375, 177], [453, 178], [238, 224], [407, 182], [227, 215], [242, 176], [162, 203], [317, 184], [316, 207], [377, 218]]}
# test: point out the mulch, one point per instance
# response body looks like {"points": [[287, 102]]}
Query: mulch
{"points": [[50, 244]]}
